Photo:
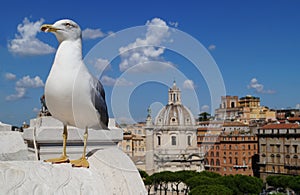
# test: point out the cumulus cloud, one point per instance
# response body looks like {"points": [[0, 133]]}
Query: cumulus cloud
{"points": [[22, 85], [27, 82], [205, 108], [174, 24], [212, 47], [92, 33], [10, 76], [258, 87], [188, 84], [101, 64], [146, 49], [109, 81], [26, 43]]}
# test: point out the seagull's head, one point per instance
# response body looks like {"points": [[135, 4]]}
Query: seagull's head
{"points": [[63, 29]]}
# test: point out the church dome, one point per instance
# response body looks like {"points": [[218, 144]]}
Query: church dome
{"points": [[174, 113]]}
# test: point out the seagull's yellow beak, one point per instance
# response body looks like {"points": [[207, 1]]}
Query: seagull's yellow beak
{"points": [[48, 28]]}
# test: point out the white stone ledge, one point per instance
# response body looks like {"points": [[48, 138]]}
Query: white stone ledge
{"points": [[111, 172]]}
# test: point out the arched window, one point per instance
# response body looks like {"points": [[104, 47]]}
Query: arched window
{"points": [[189, 140], [173, 140], [158, 140], [218, 162], [212, 154], [217, 154], [212, 162]]}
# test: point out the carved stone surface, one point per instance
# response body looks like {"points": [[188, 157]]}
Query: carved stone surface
{"points": [[12, 146], [110, 172]]}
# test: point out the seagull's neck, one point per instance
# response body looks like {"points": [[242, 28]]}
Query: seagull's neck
{"points": [[69, 51]]}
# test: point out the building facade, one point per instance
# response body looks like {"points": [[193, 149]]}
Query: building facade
{"points": [[228, 152], [134, 143], [279, 146], [171, 141], [245, 110]]}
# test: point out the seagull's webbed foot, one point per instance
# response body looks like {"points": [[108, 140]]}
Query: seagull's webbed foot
{"points": [[62, 159], [82, 162]]}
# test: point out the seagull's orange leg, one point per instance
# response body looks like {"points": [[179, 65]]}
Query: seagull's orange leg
{"points": [[64, 158], [82, 162]]}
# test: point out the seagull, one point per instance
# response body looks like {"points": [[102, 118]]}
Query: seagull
{"points": [[72, 94]]}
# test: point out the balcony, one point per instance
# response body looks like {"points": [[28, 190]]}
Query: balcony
{"points": [[240, 166]]}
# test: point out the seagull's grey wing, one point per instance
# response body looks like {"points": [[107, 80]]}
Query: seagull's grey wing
{"points": [[98, 98]]}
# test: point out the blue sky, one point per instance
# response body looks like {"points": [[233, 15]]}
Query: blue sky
{"points": [[255, 45]]}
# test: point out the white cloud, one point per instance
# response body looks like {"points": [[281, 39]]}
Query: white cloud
{"points": [[101, 64], [258, 87], [212, 47], [22, 85], [92, 33], [26, 43], [297, 106], [188, 84], [109, 81], [36, 110], [205, 108], [20, 93], [174, 24], [27, 82], [10, 76], [145, 49]]}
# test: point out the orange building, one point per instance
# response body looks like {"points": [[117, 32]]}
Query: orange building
{"points": [[228, 153]]}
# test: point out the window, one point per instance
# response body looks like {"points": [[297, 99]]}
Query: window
{"points": [[278, 148], [189, 140], [212, 154], [232, 105], [212, 162], [224, 160], [249, 147], [127, 148], [158, 140], [218, 162], [173, 140], [295, 148], [229, 147], [230, 160], [217, 154]]}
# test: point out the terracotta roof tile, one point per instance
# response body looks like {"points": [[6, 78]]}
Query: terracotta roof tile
{"points": [[281, 126]]}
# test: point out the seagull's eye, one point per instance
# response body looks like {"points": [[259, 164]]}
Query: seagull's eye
{"points": [[68, 24]]}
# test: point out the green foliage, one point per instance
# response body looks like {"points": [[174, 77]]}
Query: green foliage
{"points": [[204, 116], [211, 190], [143, 174], [208, 182], [199, 180], [285, 181]]}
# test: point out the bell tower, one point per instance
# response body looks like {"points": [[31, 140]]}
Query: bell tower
{"points": [[174, 95]]}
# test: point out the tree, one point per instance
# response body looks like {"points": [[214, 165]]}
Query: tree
{"points": [[285, 181], [184, 176], [211, 190], [204, 116], [148, 183]]}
